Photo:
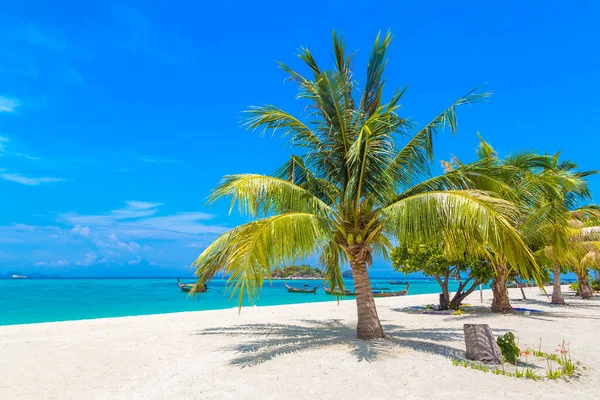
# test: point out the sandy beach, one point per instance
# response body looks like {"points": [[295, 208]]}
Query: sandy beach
{"points": [[293, 352]]}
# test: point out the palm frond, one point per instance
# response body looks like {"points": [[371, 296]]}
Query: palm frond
{"points": [[371, 98], [260, 194], [467, 221], [248, 253]]}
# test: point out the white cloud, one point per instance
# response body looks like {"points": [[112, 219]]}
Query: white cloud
{"points": [[135, 262], [29, 181], [143, 205], [89, 259], [58, 263], [119, 237], [7, 104], [137, 220], [81, 230]]}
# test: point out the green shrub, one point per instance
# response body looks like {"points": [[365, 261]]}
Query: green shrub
{"points": [[508, 347], [574, 287]]}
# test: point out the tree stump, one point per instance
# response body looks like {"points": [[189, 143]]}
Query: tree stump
{"points": [[443, 302], [481, 345]]}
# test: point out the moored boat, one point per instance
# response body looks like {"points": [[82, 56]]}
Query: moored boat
{"points": [[187, 287], [292, 289], [397, 282], [392, 294], [332, 293], [19, 277]]}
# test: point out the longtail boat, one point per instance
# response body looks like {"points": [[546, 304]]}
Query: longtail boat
{"points": [[187, 287], [392, 294], [397, 282], [332, 293], [292, 289]]}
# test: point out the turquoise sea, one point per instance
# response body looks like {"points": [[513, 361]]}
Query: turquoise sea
{"points": [[24, 301]]}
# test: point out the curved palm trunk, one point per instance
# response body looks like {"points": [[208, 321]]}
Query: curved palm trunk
{"points": [[501, 301], [585, 290], [368, 327], [557, 296]]}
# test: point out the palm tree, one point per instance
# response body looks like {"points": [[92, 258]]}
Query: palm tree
{"points": [[558, 214], [353, 191], [520, 179], [581, 269]]}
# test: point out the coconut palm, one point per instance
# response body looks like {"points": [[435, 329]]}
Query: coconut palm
{"points": [[353, 191], [567, 236], [581, 269], [520, 178]]}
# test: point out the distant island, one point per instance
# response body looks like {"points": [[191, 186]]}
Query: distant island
{"points": [[297, 272]]}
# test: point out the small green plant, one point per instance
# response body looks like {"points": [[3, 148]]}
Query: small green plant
{"points": [[552, 374], [458, 312], [562, 357], [508, 347], [519, 374]]}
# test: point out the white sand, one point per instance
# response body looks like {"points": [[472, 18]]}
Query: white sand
{"points": [[289, 352]]}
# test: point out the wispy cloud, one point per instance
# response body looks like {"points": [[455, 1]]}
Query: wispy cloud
{"points": [[57, 263], [42, 37], [158, 160], [81, 230], [143, 205], [3, 146], [138, 220], [3, 140], [133, 235], [24, 180], [8, 105]]}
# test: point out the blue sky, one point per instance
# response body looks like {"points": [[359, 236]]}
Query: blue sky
{"points": [[116, 119]]}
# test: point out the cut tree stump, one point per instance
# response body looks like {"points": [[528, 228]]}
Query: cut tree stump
{"points": [[481, 345], [443, 302]]}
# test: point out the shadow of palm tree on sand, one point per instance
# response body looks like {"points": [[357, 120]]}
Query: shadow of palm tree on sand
{"points": [[264, 342]]}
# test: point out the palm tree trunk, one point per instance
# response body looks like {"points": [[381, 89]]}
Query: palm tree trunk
{"points": [[368, 327], [585, 291], [557, 296], [501, 301]]}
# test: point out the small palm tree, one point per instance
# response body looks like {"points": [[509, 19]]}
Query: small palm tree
{"points": [[523, 179], [567, 236], [354, 191]]}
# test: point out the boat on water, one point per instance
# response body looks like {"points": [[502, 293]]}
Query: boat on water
{"points": [[392, 294], [292, 289], [187, 287], [332, 293], [397, 282], [19, 277]]}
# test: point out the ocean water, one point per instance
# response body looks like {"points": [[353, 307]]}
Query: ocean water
{"points": [[24, 301]]}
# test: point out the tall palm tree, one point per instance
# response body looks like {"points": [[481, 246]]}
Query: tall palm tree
{"points": [[353, 191]]}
